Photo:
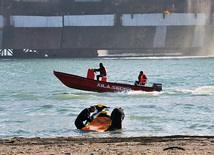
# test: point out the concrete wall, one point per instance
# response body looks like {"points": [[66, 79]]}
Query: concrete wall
{"points": [[36, 21], [1, 38], [155, 30], [1, 22], [87, 0], [89, 20], [1, 31], [32, 38], [159, 19], [160, 36]]}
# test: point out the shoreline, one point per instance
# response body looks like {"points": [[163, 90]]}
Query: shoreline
{"points": [[178, 144]]}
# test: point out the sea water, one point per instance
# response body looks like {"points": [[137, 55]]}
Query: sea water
{"points": [[34, 103]]}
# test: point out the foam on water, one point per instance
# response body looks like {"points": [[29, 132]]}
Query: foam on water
{"points": [[203, 90], [159, 58], [69, 96], [141, 94]]}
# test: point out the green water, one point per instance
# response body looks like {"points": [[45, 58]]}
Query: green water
{"points": [[33, 102]]}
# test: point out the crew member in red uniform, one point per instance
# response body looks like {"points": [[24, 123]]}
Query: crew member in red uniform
{"points": [[102, 71], [142, 79]]}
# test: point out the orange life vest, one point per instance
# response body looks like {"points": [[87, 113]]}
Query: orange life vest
{"points": [[142, 80]]}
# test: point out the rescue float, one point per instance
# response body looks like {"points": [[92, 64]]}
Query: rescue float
{"points": [[103, 121], [90, 84], [99, 124]]}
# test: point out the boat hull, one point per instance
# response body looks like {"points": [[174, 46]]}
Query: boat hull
{"points": [[81, 83]]}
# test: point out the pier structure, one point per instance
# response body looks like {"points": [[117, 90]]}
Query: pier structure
{"points": [[79, 28]]}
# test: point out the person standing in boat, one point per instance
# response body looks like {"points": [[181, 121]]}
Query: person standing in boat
{"points": [[84, 116], [102, 71], [142, 79]]}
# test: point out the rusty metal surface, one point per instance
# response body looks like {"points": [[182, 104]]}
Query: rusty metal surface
{"points": [[179, 36], [33, 38], [108, 37]]}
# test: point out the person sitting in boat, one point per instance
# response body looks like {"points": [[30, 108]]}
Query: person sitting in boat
{"points": [[99, 108], [84, 116], [102, 71], [142, 79]]}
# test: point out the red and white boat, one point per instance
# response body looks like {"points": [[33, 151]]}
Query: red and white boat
{"points": [[89, 84]]}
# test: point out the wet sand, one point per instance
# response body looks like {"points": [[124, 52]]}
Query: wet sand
{"points": [[111, 145]]}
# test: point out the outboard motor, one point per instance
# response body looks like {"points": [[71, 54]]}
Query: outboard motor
{"points": [[117, 117], [157, 86]]}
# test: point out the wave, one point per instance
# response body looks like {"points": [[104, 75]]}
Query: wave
{"points": [[68, 96], [24, 96], [135, 94], [142, 117], [144, 94], [203, 90], [158, 58]]}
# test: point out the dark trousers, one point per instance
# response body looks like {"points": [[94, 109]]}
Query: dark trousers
{"points": [[79, 124], [137, 83], [98, 76]]}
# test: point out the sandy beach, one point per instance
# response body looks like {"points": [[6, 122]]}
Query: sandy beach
{"points": [[111, 145]]}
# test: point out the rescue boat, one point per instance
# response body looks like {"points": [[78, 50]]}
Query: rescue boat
{"points": [[89, 84]]}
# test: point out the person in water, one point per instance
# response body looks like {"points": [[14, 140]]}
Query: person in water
{"points": [[84, 116], [102, 71], [142, 79], [117, 117], [99, 108]]}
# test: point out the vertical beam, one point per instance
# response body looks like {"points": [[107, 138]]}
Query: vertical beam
{"points": [[1, 38], [199, 36], [6, 11], [160, 36]]}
